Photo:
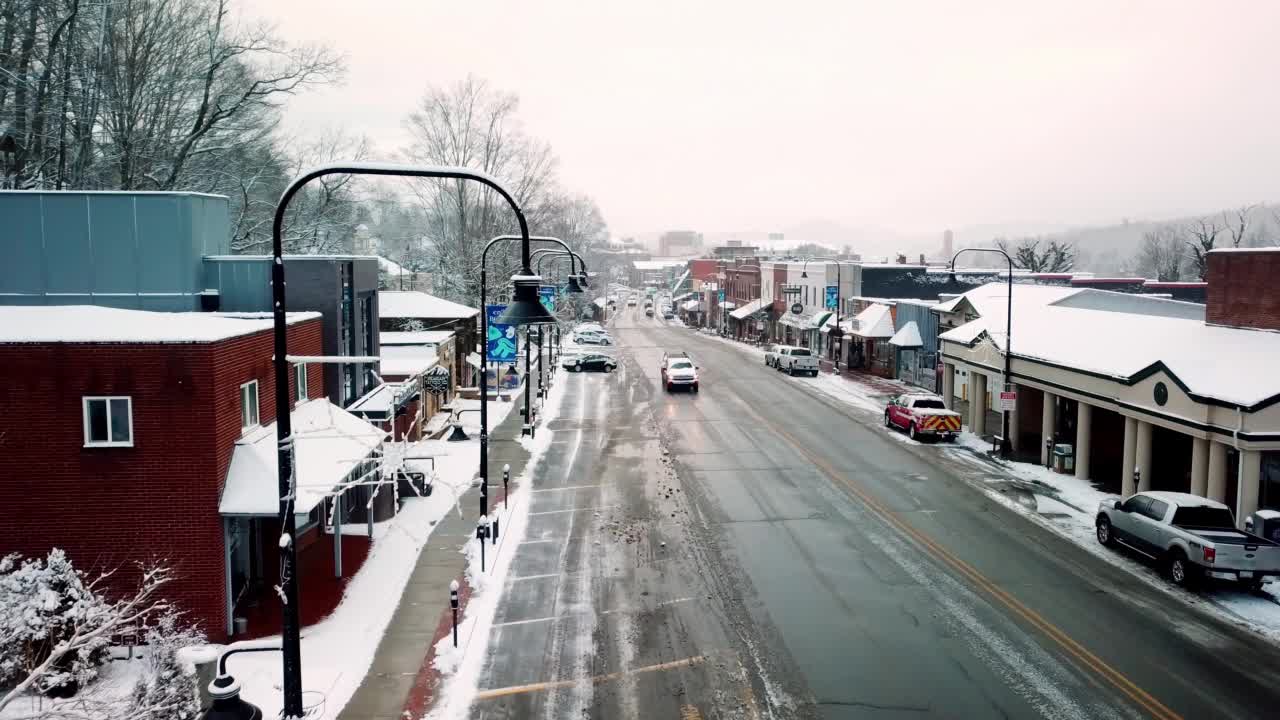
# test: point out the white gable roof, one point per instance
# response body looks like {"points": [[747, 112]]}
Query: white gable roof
{"points": [[908, 336], [94, 324], [415, 304], [875, 321]]}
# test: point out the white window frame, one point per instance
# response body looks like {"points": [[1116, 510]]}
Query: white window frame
{"points": [[300, 382], [257, 408], [84, 411]]}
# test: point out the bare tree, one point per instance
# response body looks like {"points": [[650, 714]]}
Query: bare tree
{"points": [[1162, 255], [1054, 257], [1201, 236], [473, 125], [1236, 223]]}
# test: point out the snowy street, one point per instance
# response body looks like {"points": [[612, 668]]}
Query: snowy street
{"points": [[708, 556]]}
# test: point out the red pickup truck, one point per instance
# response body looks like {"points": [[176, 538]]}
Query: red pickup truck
{"points": [[922, 415]]}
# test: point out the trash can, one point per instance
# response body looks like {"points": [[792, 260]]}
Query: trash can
{"points": [[1064, 458]]}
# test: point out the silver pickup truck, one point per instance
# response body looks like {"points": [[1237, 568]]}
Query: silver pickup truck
{"points": [[1192, 537]]}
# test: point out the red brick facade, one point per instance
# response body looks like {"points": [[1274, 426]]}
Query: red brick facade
{"points": [[1242, 288], [704, 269], [114, 507]]}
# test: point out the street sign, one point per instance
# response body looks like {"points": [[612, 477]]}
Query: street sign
{"points": [[1008, 401], [501, 340], [790, 289], [796, 308], [547, 294], [436, 380], [833, 294]]}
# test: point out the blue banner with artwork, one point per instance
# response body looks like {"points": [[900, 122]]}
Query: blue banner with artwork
{"points": [[833, 297], [720, 297], [547, 294], [501, 341]]}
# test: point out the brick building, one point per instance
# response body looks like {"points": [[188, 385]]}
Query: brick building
{"points": [[129, 429]]}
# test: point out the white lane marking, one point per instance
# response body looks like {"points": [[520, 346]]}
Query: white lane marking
{"points": [[567, 616], [569, 510], [567, 487]]}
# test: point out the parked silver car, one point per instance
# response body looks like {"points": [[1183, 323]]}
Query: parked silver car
{"points": [[1192, 537]]}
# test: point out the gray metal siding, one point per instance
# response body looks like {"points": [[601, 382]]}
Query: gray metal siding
{"points": [[128, 250]]}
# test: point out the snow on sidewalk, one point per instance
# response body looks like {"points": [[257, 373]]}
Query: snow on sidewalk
{"points": [[461, 667], [338, 651]]}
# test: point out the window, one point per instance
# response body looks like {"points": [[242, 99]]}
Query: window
{"points": [[1136, 503], [1205, 517], [108, 422], [300, 382], [249, 405], [1156, 509]]}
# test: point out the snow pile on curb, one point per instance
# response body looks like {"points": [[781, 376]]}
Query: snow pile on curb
{"points": [[338, 651], [461, 667]]}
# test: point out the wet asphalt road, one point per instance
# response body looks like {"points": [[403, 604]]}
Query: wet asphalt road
{"points": [[758, 550]]}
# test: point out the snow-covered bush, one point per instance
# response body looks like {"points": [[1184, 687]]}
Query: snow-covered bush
{"points": [[166, 691], [55, 624], [44, 603]]}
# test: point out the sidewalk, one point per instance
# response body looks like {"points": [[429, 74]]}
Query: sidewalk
{"points": [[400, 678]]}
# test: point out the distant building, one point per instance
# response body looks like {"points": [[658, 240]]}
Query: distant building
{"points": [[948, 246], [679, 242], [734, 249]]}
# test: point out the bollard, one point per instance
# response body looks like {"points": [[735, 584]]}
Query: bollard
{"points": [[453, 603], [482, 531], [506, 478], [494, 534]]}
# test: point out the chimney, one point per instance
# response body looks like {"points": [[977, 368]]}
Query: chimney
{"points": [[1242, 288]]}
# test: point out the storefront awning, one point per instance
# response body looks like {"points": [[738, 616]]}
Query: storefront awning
{"points": [[329, 444], [691, 306], [803, 321], [820, 319], [874, 322], [907, 337], [748, 310], [727, 305]]}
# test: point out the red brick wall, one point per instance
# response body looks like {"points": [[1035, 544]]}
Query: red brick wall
{"points": [[158, 500], [1242, 289], [704, 268]]}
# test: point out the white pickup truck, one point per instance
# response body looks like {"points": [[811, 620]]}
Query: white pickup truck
{"points": [[1192, 537], [795, 360]]}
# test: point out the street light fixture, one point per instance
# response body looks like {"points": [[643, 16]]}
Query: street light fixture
{"points": [[291, 646], [1005, 446]]}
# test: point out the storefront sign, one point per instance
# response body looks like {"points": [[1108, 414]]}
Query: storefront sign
{"points": [[1008, 401]]}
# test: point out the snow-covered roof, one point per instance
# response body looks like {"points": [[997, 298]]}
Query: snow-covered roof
{"points": [[95, 324], [691, 305], [415, 337], [908, 336], [415, 304], [405, 360], [656, 264], [329, 443], [1128, 345], [391, 267], [748, 310], [993, 297], [876, 321], [600, 302]]}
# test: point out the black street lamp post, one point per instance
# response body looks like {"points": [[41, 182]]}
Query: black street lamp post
{"points": [[1005, 445], [836, 331], [526, 284]]}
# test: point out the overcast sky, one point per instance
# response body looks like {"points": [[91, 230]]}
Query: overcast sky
{"points": [[914, 116]]}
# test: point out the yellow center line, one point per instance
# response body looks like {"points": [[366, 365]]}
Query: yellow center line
{"points": [[1073, 648], [594, 680]]}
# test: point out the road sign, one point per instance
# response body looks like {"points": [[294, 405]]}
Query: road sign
{"points": [[1008, 401], [547, 294], [436, 380], [501, 341], [796, 308], [833, 294]]}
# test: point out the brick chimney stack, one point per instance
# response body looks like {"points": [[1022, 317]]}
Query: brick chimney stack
{"points": [[1244, 288]]}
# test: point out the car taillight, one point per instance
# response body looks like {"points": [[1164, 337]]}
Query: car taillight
{"points": [[1210, 554]]}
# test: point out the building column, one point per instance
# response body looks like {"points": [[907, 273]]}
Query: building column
{"points": [[1247, 494], [1143, 459], [1084, 427], [1217, 486], [1129, 463], [1048, 426], [1199, 466], [977, 403], [949, 385]]}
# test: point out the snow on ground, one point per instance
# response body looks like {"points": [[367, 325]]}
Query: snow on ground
{"points": [[1060, 502], [114, 684], [337, 652], [461, 667]]}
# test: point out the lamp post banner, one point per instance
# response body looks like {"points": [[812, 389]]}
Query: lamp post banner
{"points": [[833, 293], [501, 340], [547, 294]]}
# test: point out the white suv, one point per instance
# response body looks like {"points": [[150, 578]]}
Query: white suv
{"points": [[678, 371]]}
